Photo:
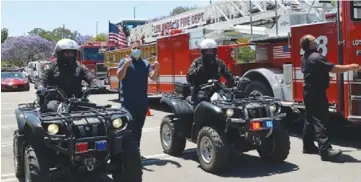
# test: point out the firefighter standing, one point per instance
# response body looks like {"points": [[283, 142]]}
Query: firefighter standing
{"points": [[133, 72], [315, 69]]}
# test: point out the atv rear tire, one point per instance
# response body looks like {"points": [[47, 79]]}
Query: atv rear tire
{"points": [[276, 148], [220, 152], [172, 130], [36, 164], [18, 158], [128, 163]]}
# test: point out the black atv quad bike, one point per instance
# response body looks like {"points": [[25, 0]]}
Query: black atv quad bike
{"points": [[81, 137], [231, 122]]}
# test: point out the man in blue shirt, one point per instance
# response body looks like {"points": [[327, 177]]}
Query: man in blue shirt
{"points": [[133, 72]]}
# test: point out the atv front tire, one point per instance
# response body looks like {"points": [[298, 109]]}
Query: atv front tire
{"points": [[128, 164], [276, 148], [18, 159], [36, 165], [212, 150], [172, 140]]}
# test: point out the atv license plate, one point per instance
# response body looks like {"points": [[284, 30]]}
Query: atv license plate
{"points": [[101, 145], [15, 86], [268, 124]]}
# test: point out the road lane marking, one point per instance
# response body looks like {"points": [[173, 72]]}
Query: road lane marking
{"points": [[14, 103], [145, 130], [8, 115], [10, 180], [5, 126], [8, 108]]}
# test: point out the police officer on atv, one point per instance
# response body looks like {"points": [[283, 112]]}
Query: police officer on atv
{"points": [[207, 67], [67, 74]]}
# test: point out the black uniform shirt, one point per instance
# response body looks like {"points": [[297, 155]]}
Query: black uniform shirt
{"points": [[315, 69], [68, 79], [198, 74]]}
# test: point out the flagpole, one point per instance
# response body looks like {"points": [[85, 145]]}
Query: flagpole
{"points": [[108, 35]]}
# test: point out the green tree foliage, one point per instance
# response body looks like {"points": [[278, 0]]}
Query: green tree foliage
{"points": [[246, 54], [100, 37], [4, 34], [59, 33], [181, 9]]}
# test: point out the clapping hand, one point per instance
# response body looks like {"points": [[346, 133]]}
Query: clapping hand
{"points": [[156, 65]]}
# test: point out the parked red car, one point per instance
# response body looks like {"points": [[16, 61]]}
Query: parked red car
{"points": [[13, 81]]}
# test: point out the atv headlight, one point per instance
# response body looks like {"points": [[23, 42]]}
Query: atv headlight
{"points": [[117, 123], [229, 112], [275, 107], [53, 129]]}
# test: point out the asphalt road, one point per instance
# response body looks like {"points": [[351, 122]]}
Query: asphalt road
{"points": [[161, 167]]}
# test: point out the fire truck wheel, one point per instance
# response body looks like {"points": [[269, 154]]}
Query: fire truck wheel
{"points": [[260, 87]]}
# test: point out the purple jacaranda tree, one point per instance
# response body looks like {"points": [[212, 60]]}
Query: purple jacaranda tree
{"points": [[81, 39], [23, 49]]}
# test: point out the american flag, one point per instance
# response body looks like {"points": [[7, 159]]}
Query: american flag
{"points": [[281, 52], [261, 53], [117, 36]]}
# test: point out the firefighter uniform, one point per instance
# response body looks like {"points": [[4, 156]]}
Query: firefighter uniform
{"points": [[316, 68]]}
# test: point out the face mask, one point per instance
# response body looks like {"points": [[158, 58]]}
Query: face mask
{"points": [[136, 53]]}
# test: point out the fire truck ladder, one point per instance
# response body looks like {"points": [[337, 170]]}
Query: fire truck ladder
{"points": [[355, 98], [227, 14]]}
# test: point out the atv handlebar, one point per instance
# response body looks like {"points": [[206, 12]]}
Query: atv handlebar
{"points": [[85, 92], [215, 84]]}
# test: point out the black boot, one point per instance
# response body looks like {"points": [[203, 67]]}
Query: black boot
{"points": [[330, 154], [312, 149]]}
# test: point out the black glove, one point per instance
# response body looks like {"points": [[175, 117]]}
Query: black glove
{"points": [[40, 90], [242, 83], [200, 69]]}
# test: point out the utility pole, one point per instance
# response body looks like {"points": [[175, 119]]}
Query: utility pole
{"points": [[134, 12], [96, 28], [134, 8], [62, 31]]}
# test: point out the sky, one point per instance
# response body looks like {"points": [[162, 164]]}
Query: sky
{"points": [[20, 17]]}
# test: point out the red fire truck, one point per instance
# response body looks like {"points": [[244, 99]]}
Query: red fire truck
{"points": [[91, 54], [271, 58]]}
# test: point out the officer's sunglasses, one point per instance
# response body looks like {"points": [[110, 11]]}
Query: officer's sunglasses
{"points": [[136, 48]]}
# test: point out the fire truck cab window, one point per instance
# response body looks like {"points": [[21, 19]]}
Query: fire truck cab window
{"points": [[356, 10], [93, 54], [132, 24], [245, 54]]}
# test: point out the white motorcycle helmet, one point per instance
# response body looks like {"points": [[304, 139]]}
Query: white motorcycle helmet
{"points": [[62, 49], [208, 49]]}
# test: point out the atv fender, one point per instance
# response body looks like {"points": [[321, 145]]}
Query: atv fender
{"points": [[33, 124], [20, 118], [207, 114], [178, 106]]}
